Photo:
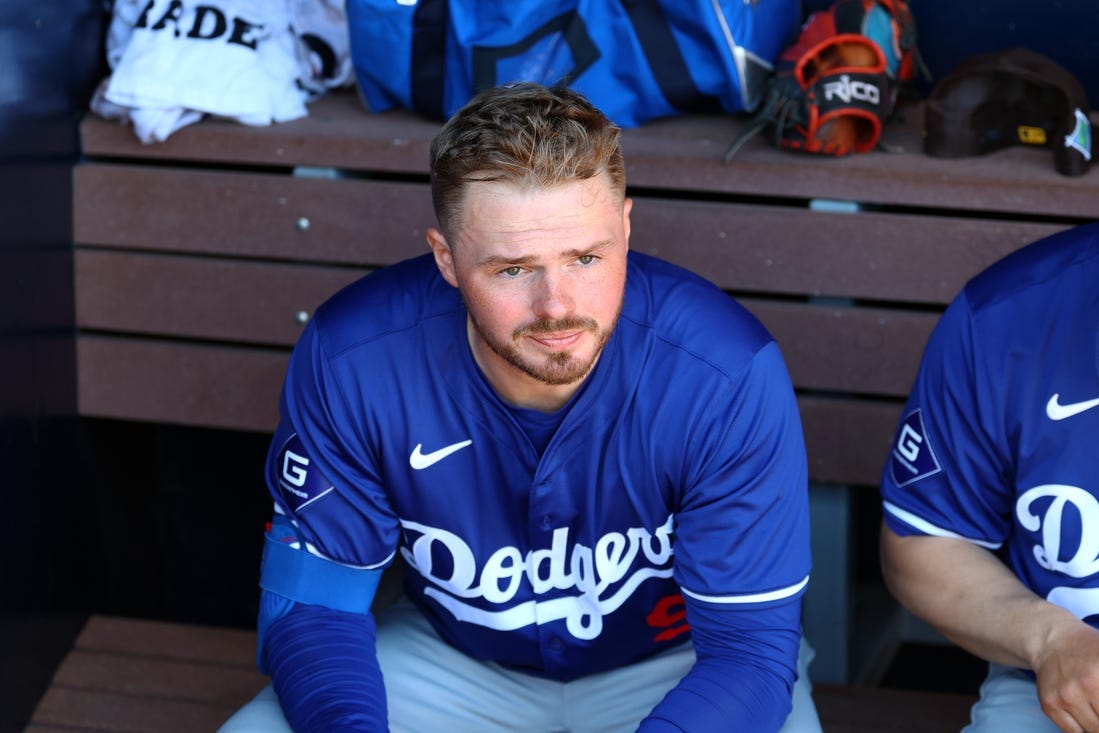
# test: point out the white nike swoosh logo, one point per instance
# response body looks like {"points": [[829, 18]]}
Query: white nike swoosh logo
{"points": [[1056, 411], [420, 461]]}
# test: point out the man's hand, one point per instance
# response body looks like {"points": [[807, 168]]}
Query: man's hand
{"points": [[966, 593], [1068, 677]]}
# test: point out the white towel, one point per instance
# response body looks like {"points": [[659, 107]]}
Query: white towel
{"points": [[174, 61]]}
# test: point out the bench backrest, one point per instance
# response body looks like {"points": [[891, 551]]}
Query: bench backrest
{"points": [[199, 259]]}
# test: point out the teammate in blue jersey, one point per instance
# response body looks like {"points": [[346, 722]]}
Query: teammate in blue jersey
{"points": [[991, 494], [589, 462]]}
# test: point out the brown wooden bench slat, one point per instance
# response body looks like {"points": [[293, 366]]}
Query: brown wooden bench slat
{"points": [[335, 134], [677, 153], [684, 153], [203, 298], [842, 709], [121, 713], [167, 640], [258, 302], [847, 441], [146, 676], [236, 388], [826, 347], [745, 248], [159, 678], [784, 250], [200, 385], [169, 209]]}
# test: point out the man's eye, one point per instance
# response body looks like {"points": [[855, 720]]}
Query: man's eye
{"points": [[512, 271], [586, 259]]}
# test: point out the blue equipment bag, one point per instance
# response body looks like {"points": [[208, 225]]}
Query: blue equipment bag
{"points": [[636, 60]]}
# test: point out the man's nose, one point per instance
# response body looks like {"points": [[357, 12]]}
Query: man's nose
{"points": [[554, 297]]}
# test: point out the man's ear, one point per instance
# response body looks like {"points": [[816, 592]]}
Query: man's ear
{"points": [[444, 258], [627, 206]]}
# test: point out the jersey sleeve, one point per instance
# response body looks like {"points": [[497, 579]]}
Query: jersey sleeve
{"points": [[322, 475], [742, 527], [947, 473], [742, 556], [322, 466]]}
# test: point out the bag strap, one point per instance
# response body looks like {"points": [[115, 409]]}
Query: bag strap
{"points": [[428, 76], [666, 61], [571, 27]]}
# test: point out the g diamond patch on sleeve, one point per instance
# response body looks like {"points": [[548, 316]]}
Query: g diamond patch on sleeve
{"points": [[299, 482], [912, 457]]}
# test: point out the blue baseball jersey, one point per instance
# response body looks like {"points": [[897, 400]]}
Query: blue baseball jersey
{"points": [[998, 441], [678, 469]]}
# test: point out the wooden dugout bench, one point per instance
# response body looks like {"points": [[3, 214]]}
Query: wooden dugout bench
{"points": [[198, 260], [135, 676]]}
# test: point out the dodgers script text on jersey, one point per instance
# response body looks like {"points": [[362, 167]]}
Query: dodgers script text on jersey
{"points": [[1010, 383], [392, 441]]}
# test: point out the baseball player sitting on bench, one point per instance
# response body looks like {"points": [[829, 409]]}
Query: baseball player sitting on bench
{"points": [[991, 524], [589, 461]]}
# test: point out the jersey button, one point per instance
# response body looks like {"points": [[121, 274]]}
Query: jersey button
{"points": [[556, 644]]}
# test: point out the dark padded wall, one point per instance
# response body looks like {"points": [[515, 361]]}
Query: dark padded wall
{"points": [[49, 60], [1066, 31]]}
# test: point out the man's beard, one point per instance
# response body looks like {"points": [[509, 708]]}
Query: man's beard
{"points": [[559, 368]]}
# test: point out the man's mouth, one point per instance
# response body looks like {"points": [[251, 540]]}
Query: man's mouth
{"points": [[558, 339], [557, 335]]}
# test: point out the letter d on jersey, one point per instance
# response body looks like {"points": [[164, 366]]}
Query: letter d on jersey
{"points": [[912, 457]]}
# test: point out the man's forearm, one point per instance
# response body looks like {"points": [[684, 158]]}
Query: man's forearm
{"points": [[972, 598], [745, 670], [325, 671], [719, 696]]}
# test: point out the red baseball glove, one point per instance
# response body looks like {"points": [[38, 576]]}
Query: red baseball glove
{"points": [[834, 88]]}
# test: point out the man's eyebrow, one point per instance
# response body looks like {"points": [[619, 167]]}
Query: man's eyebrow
{"points": [[498, 260]]}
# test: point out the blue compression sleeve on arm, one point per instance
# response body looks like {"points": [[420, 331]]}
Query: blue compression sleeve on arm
{"points": [[744, 675], [325, 671], [316, 637]]}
